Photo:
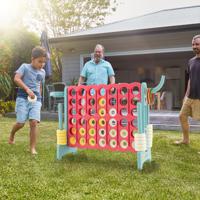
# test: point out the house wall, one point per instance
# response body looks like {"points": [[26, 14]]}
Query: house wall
{"points": [[74, 51]]}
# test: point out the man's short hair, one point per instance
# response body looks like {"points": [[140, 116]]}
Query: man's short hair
{"points": [[38, 52], [195, 37], [101, 46]]}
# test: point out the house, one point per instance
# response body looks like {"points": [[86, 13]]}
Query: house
{"points": [[139, 49]]}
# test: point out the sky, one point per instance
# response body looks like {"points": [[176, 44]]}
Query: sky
{"points": [[132, 8], [13, 9]]}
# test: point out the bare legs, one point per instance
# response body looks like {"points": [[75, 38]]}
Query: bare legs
{"points": [[185, 129], [15, 128], [33, 134]]}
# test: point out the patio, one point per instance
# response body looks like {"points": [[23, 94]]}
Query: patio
{"points": [[162, 120]]}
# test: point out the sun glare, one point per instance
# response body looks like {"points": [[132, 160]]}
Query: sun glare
{"points": [[9, 10]]}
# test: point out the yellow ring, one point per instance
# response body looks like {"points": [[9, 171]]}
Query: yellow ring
{"points": [[102, 102], [92, 132], [92, 122], [61, 137], [102, 112], [82, 141], [72, 140], [73, 131], [102, 122], [82, 131], [92, 142]]}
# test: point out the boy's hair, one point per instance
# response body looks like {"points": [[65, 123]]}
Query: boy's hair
{"points": [[38, 52]]}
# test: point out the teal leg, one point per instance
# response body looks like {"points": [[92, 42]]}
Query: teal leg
{"points": [[63, 150]]}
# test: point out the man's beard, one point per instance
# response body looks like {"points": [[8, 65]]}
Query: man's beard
{"points": [[196, 51]]}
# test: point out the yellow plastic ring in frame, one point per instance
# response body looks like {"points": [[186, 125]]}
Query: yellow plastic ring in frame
{"points": [[102, 122], [92, 132], [61, 137], [82, 141], [73, 131], [72, 140], [102, 102], [102, 112], [82, 131], [92, 142], [92, 122]]}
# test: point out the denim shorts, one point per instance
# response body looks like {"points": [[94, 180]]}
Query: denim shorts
{"points": [[27, 110]]}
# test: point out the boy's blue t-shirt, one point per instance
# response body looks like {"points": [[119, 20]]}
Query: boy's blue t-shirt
{"points": [[32, 78]]}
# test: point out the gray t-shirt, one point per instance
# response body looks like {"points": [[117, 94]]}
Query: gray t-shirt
{"points": [[194, 75], [32, 78]]}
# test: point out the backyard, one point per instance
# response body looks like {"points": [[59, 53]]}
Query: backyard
{"points": [[93, 174]]}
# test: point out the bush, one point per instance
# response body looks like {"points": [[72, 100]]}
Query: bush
{"points": [[6, 107]]}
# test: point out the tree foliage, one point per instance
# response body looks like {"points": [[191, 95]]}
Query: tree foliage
{"points": [[15, 49], [66, 16]]}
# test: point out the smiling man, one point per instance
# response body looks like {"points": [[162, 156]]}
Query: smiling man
{"points": [[97, 70], [191, 102]]}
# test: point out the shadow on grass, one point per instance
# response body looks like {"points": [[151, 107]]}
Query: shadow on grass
{"points": [[110, 163], [81, 157], [150, 167]]}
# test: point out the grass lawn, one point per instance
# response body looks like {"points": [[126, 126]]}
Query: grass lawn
{"points": [[94, 174]]}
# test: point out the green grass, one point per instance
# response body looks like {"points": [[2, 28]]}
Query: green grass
{"points": [[93, 174]]}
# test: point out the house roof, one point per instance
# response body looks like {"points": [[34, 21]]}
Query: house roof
{"points": [[177, 17]]}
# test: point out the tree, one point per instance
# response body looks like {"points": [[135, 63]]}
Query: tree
{"points": [[5, 63], [66, 16]]}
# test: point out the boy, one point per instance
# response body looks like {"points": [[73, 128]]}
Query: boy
{"points": [[29, 78]]}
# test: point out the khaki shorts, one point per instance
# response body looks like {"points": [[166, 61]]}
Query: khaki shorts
{"points": [[191, 107]]}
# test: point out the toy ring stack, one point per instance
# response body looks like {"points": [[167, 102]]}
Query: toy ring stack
{"points": [[123, 144], [102, 132], [123, 133], [92, 142], [102, 112], [102, 142], [72, 140], [102, 102], [113, 133], [73, 131], [82, 131], [92, 122], [113, 143], [92, 132], [112, 112], [32, 100], [82, 141], [102, 122]]}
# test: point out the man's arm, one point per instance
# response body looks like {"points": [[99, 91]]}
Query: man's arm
{"points": [[81, 80], [112, 79], [21, 84]]}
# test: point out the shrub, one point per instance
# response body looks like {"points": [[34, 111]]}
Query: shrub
{"points": [[5, 107]]}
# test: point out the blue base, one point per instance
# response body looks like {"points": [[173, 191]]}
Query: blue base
{"points": [[142, 157], [63, 150]]}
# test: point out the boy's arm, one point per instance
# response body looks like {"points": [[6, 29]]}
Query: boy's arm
{"points": [[21, 84], [41, 88]]}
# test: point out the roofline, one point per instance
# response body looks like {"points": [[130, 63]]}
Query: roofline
{"points": [[125, 33]]}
